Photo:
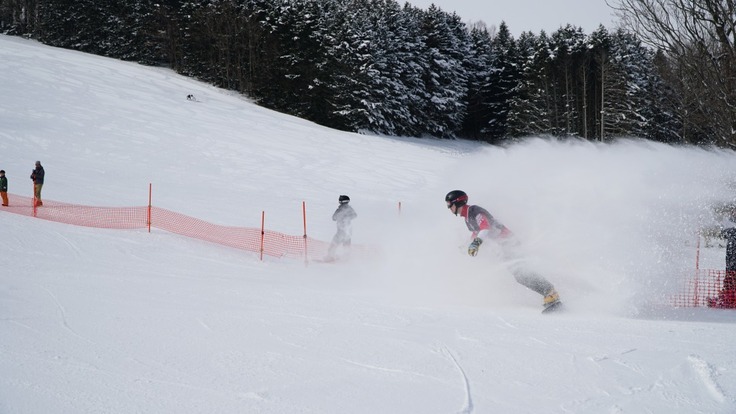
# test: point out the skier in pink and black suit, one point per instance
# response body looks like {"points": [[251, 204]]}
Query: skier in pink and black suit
{"points": [[483, 226]]}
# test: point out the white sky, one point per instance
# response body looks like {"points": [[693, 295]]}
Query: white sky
{"points": [[530, 15], [123, 321]]}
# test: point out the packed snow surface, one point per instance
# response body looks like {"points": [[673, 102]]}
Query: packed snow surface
{"points": [[118, 321]]}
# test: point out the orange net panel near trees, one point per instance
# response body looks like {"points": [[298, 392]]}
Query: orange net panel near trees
{"points": [[244, 238]]}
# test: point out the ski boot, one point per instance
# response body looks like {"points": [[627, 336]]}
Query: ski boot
{"points": [[551, 301]]}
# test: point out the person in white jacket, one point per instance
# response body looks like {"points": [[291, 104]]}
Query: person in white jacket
{"points": [[343, 217]]}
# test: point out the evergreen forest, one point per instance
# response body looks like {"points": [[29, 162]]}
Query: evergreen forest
{"points": [[382, 67]]}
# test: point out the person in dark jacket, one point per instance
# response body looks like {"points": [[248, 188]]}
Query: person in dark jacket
{"points": [[728, 292], [343, 217], [483, 227], [729, 281], [4, 188], [37, 176]]}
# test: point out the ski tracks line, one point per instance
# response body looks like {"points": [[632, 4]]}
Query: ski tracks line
{"points": [[62, 315], [468, 408], [707, 374]]}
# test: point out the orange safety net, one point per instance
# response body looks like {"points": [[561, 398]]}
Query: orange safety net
{"points": [[245, 238], [100, 217], [708, 287], [274, 243]]}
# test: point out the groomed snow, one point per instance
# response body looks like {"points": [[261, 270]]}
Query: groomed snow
{"points": [[113, 321]]}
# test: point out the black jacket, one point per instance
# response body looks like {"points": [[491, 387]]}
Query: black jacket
{"points": [[37, 175]]}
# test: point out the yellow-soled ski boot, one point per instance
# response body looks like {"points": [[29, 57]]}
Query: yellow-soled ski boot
{"points": [[551, 297], [551, 300]]}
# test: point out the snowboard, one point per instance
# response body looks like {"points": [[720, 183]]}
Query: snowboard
{"points": [[555, 307]]}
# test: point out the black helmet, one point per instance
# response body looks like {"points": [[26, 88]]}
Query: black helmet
{"points": [[343, 199], [456, 198]]}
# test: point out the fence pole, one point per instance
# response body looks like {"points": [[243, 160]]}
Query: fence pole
{"points": [[399, 207], [148, 218], [34, 198], [263, 231], [304, 218], [697, 254], [696, 287]]}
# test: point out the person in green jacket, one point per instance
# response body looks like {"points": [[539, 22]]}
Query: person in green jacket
{"points": [[4, 188]]}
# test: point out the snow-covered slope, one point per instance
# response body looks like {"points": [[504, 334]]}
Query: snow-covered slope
{"points": [[103, 321]]}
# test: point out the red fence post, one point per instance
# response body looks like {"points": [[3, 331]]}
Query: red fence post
{"points": [[697, 273], [148, 218], [696, 287], [263, 231], [304, 218], [34, 198]]}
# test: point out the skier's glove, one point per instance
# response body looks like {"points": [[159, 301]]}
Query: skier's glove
{"points": [[474, 245]]}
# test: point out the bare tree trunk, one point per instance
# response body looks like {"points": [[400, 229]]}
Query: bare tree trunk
{"points": [[585, 101], [603, 97], [700, 37]]}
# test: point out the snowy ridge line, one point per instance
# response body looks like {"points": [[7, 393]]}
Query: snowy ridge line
{"points": [[275, 244]]}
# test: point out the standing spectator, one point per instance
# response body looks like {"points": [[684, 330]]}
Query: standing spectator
{"points": [[4, 188], [726, 228], [37, 176], [342, 216], [728, 293], [730, 235]]}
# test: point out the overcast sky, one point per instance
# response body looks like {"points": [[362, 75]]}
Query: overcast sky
{"points": [[530, 15]]}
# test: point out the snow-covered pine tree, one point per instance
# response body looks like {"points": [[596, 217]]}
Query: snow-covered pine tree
{"points": [[478, 64], [445, 78], [502, 84], [628, 105], [367, 89], [569, 48], [530, 106]]}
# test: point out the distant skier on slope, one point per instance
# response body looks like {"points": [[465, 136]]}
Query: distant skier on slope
{"points": [[484, 227], [343, 217]]}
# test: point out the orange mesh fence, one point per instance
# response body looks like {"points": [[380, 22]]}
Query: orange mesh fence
{"points": [[274, 243], [100, 217], [245, 238], [708, 287]]}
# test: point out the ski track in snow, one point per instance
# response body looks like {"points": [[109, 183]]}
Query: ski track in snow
{"points": [[506, 323], [62, 315], [390, 370], [707, 375], [69, 243], [468, 408]]}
